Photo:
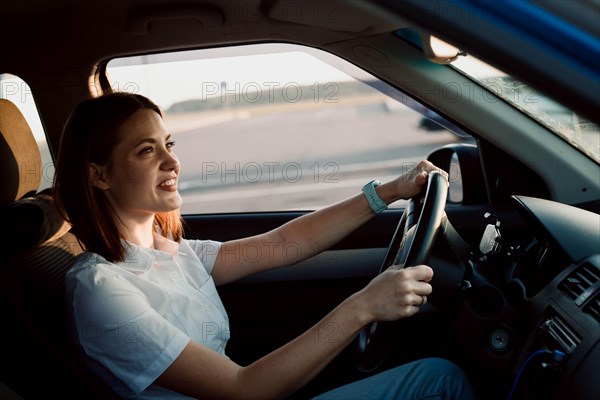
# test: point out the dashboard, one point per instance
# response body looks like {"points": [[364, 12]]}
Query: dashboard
{"points": [[535, 293]]}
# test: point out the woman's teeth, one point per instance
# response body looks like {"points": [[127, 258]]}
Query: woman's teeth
{"points": [[170, 182]]}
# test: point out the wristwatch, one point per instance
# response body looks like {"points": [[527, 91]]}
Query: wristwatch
{"points": [[376, 204]]}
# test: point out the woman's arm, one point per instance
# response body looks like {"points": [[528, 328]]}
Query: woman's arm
{"points": [[201, 372], [312, 233]]}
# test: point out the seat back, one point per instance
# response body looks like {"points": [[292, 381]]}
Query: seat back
{"points": [[20, 159], [37, 358]]}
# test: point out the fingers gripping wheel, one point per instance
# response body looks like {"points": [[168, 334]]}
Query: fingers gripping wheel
{"points": [[411, 244]]}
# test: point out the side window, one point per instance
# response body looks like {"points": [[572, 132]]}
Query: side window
{"points": [[276, 127], [17, 91]]}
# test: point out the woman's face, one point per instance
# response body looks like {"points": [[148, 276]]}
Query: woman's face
{"points": [[142, 177]]}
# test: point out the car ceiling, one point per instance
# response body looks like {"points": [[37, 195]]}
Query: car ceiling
{"points": [[150, 25]]}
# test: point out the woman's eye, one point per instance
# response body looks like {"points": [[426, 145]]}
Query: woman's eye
{"points": [[146, 150], [170, 144]]}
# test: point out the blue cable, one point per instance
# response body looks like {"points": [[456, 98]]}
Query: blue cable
{"points": [[557, 356]]}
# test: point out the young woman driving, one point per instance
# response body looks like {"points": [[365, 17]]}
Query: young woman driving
{"points": [[146, 315]]}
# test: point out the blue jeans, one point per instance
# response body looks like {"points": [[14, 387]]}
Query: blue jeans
{"points": [[430, 378]]}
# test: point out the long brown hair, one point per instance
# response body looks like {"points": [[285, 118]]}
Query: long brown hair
{"points": [[90, 135]]}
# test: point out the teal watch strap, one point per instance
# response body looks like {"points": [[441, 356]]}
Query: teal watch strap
{"points": [[376, 204]]}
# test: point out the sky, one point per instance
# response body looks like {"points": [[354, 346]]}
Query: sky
{"points": [[165, 82]]}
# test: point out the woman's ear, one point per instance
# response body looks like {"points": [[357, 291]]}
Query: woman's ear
{"points": [[98, 176]]}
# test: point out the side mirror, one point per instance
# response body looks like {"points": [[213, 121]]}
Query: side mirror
{"points": [[465, 175], [455, 189]]}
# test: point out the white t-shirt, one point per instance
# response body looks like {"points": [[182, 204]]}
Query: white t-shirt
{"points": [[132, 319]]}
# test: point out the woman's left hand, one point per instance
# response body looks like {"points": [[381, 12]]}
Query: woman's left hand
{"points": [[411, 183]]}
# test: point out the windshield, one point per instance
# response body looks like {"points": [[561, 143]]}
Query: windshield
{"points": [[576, 130]]}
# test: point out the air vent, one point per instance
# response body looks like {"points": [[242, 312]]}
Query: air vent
{"points": [[593, 308], [580, 280], [560, 335]]}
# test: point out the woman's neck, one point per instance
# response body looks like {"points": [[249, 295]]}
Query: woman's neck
{"points": [[138, 231]]}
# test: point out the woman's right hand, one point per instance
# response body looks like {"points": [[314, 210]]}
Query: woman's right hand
{"points": [[396, 293]]}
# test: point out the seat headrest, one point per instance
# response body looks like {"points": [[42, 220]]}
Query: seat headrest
{"points": [[20, 159], [32, 221]]}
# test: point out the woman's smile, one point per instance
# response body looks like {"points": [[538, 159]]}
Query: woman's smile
{"points": [[169, 185]]}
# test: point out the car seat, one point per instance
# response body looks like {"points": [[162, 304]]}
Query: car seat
{"points": [[36, 251]]}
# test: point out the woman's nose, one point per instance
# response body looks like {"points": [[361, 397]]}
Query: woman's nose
{"points": [[170, 162]]}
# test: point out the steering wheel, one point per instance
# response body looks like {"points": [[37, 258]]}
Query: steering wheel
{"points": [[410, 245]]}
